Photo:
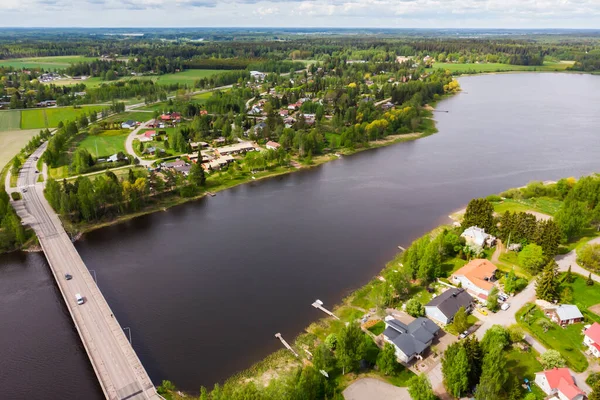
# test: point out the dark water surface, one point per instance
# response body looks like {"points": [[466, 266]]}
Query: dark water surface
{"points": [[205, 286]]}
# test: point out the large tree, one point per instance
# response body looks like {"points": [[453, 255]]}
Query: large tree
{"points": [[460, 320], [350, 347], [475, 356], [573, 217], [455, 368], [547, 284], [494, 375], [386, 360], [492, 300], [415, 308], [419, 388], [532, 258], [480, 212]]}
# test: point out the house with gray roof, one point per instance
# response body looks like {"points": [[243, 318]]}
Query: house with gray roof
{"points": [[566, 314], [410, 340], [444, 307]]}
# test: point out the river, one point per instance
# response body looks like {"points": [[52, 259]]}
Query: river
{"points": [[205, 286]]}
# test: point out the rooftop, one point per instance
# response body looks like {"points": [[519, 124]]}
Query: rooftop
{"points": [[451, 301], [412, 338], [568, 311], [593, 332], [479, 271]]}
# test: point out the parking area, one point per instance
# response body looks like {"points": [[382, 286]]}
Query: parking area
{"points": [[374, 389]]}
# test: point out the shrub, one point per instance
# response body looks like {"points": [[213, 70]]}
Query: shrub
{"points": [[331, 341], [494, 198], [415, 308], [15, 196]]}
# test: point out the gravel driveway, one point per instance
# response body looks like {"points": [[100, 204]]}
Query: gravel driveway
{"points": [[374, 389]]}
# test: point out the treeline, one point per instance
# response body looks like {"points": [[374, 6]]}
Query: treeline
{"points": [[12, 233], [222, 79], [113, 69]]}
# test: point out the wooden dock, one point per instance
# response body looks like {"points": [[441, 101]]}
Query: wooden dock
{"points": [[319, 305], [286, 344]]}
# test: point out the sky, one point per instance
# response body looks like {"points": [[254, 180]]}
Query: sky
{"points": [[303, 13]]}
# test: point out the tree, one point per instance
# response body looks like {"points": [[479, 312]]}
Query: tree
{"points": [[572, 217], [475, 357], [595, 395], [589, 281], [566, 295], [386, 360], [532, 258], [323, 358], [510, 282], [351, 347], [545, 324], [331, 341], [455, 368], [197, 176], [495, 338], [589, 256], [460, 320], [552, 359], [415, 308], [419, 388], [569, 276], [203, 393], [16, 166], [494, 375], [479, 212], [492, 300], [547, 284]]}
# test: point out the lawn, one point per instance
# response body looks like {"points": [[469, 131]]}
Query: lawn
{"points": [[498, 67], [568, 341], [523, 364], [136, 116], [46, 63], [544, 205], [202, 97], [13, 142], [510, 260], [10, 120], [40, 118], [378, 328], [471, 320], [189, 76], [105, 143]]}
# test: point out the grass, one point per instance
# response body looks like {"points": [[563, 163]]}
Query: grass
{"points": [[568, 341], [57, 173], [510, 260], [187, 77], [523, 364], [46, 63], [544, 205], [41, 118], [202, 97], [378, 328], [136, 116], [10, 120], [105, 143], [498, 67], [12, 142]]}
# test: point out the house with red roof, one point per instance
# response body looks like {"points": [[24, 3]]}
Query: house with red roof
{"points": [[558, 383], [591, 338], [150, 134], [165, 117]]}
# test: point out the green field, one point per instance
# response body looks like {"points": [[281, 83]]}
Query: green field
{"points": [[10, 120], [497, 67], [105, 143], [46, 63], [13, 142], [544, 205], [187, 77], [37, 118]]}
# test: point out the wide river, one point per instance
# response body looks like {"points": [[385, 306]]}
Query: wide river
{"points": [[205, 286]]}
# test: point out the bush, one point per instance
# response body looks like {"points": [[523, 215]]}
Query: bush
{"points": [[415, 308], [494, 198], [552, 359], [512, 194], [15, 196], [589, 256], [331, 341]]}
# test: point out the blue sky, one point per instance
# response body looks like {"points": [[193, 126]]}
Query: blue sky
{"points": [[303, 13]]}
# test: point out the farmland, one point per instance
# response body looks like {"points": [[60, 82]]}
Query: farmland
{"points": [[45, 63], [13, 141], [105, 143], [10, 120], [39, 117], [497, 67]]}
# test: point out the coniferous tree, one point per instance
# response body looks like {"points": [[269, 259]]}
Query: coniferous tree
{"points": [[547, 284]]}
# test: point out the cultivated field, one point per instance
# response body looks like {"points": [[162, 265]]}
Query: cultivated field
{"points": [[39, 117], [105, 143], [12, 142], [10, 120], [497, 67], [46, 63]]}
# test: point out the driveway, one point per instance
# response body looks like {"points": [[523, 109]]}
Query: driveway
{"points": [[129, 144], [570, 259], [374, 389]]}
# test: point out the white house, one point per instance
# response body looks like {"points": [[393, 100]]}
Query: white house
{"points": [[130, 124], [477, 276], [272, 145], [591, 338], [476, 236], [558, 383], [410, 340]]}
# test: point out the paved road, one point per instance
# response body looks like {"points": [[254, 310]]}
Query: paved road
{"points": [[570, 259], [129, 144], [119, 371], [374, 389]]}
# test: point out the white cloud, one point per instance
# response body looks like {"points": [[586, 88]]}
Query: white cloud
{"points": [[305, 13]]}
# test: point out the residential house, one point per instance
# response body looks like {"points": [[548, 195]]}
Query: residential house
{"points": [[259, 76], [150, 134], [477, 276], [387, 106], [165, 117], [284, 113], [195, 145], [175, 116], [566, 314], [272, 145], [410, 340], [259, 127], [150, 150], [236, 148], [558, 383], [591, 338], [153, 123], [129, 124], [174, 164], [444, 307], [46, 103], [115, 158], [476, 236]]}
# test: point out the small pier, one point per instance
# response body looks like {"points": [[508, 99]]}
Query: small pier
{"points": [[211, 194], [286, 344], [319, 305], [441, 111]]}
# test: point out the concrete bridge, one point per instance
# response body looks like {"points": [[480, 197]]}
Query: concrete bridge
{"points": [[119, 370]]}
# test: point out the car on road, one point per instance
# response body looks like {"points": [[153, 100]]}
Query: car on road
{"points": [[37, 172], [464, 334], [481, 310], [68, 277], [505, 306], [24, 190], [79, 299], [35, 158]]}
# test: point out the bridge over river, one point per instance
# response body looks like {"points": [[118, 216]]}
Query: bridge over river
{"points": [[119, 370]]}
